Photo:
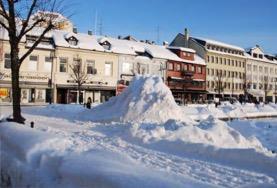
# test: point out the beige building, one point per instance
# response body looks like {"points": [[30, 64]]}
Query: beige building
{"points": [[225, 64], [46, 74], [35, 71], [261, 75]]}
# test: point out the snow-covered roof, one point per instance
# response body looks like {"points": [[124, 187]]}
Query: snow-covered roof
{"points": [[265, 59], [218, 43], [85, 41], [182, 49]]}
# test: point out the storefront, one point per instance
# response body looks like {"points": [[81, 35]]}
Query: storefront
{"points": [[67, 94]]}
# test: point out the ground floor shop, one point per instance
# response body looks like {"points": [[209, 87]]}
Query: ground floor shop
{"points": [[29, 93], [188, 97], [68, 94]]}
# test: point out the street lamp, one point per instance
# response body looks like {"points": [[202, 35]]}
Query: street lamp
{"points": [[50, 81]]}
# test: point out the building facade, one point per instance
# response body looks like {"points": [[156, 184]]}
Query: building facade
{"points": [[261, 75], [225, 74], [187, 78]]}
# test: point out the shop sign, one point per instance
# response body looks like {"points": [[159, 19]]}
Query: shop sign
{"points": [[4, 92]]}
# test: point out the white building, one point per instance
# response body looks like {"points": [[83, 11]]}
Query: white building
{"points": [[261, 74]]}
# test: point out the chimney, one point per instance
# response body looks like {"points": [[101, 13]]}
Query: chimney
{"points": [[89, 32], [75, 30], [186, 34], [119, 37], [165, 43]]}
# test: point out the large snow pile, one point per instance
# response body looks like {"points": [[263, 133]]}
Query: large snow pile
{"points": [[211, 132], [147, 99]]}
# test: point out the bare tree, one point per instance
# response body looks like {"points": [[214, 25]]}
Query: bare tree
{"points": [[18, 20], [265, 86], [79, 75], [219, 82]]}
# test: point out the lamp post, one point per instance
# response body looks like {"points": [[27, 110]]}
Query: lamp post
{"points": [[275, 93], [50, 81]]}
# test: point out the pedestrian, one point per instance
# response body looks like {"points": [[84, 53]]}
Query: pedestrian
{"points": [[89, 103]]}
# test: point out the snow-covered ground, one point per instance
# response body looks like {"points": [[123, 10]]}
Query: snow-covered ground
{"points": [[149, 142]]}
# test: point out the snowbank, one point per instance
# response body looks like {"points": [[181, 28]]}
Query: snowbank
{"points": [[227, 110], [147, 99], [31, 158]]}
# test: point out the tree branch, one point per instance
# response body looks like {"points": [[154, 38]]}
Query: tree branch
{"points": [[26, 23], [3, 11], [50, 26]]}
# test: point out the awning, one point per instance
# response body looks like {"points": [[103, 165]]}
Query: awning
{"points": [[256, 93], [199, 80]]}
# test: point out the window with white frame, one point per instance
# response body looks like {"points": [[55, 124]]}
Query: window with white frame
{"points": [[7, 63], [108, 68], [48, 64], [127, 68], [63, 65], [33, 63], [199, 69]]}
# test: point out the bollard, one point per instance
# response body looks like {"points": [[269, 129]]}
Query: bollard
{"points": [[32, 124]]}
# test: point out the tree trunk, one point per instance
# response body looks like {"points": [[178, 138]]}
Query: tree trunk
{"points": [[79, 94], [16, 93]]}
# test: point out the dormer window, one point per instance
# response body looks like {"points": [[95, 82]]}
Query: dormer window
{"points": [[106, 45], [72, 41], [255, 55], [261, 56]]}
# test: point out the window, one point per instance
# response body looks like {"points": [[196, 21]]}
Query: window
{"points": [[212, 59], [249, 67], [192, 68], [255, 68], [255, 55], [199, 69], [208, 71], [7, 61], [225, 62], [33, 61], [233, 62], [208, 58], [260, 69], [266, 70], [229, 62], [126, 68], [108, 69], [63, 64], [185, 67], [178, 67], [216, 59], [72, 41], [221, 60], [48, 64], [91, 67], [170, 66], [261, 56]]}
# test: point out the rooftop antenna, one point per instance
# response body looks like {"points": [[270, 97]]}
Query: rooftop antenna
{"points": [[100, 25], [95, 23]]}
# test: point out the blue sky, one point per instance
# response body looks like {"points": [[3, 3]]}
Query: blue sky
{"points": [[240, 22]]}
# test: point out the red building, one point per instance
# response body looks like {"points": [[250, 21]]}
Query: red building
{"points": [[187, 78]]}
